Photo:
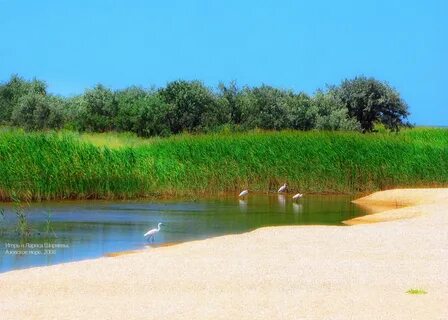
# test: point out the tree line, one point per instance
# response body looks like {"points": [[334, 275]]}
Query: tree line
{"points": [[190, 106]]}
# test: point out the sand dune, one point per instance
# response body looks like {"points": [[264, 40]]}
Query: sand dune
{"points": [[304, 272]]}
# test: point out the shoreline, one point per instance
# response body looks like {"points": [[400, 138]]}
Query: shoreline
{"points": [[193, 195], [310, 272]]}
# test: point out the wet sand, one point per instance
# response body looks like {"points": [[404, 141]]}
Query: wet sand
{"points": [[360, 271]]}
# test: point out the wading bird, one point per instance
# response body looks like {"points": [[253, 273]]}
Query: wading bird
{"points": [[297, 196], [243, 193], [283, 188], [152, 233]]}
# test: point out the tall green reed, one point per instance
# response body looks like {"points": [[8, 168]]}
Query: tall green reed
{"points": [[64, 165]]}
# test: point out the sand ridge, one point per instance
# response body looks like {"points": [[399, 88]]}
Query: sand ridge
{"points": [[301, 272]]}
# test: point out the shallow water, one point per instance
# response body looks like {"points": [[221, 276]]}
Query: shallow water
{"points": [[88, 229]]}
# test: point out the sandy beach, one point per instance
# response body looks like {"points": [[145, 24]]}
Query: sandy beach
{"points": [[361, 271]]}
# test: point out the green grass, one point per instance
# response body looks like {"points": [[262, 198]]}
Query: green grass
{"points": [[68, 165], [416, 291], [114, 140]]}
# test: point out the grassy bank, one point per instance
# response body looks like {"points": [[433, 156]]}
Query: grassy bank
{"points": [[68, 165]]}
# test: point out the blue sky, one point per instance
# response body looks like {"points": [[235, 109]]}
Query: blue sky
{"points": [[300, 45]]}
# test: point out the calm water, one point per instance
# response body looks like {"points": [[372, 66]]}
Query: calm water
{"points": [[89, 229]]}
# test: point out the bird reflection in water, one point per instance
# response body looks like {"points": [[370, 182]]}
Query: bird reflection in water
{"points": [[297, 208], [282, 202], [243, 205]]}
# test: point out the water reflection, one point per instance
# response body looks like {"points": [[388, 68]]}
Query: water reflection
{"points": [[243, 205], [297, 208], [282, 201]]}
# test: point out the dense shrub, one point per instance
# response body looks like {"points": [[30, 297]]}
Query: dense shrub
{"points": [[370, 101], [265, 107], [230, 98], [35, 111], [130, 103], [190, 106], [99, 109], [302, 112], [331, 114], [194, 107], [12, 91], [155, 118]]}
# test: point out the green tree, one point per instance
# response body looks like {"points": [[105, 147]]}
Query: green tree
{"points": [[13, 90], [194, 106], [356, 104], [73, 110], [155, 117], [57, 116], [332, 114], [370, 101], [35, 111], [99, 110], [302, 113], [264, 107], [230, 99], [23, 113], [130, 102]]}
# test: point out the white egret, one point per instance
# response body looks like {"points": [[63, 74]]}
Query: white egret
{"points": [[243, 193], [283, 188], [152, 233], [297, 196]]}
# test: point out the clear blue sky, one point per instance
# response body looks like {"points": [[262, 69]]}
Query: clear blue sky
{"points": [[300, 45]]}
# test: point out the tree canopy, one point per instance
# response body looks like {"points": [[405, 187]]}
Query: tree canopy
{"points": [[369, 101], [190, 106]]}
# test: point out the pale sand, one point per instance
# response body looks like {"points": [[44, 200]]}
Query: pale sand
{"points": [[310, 272]]}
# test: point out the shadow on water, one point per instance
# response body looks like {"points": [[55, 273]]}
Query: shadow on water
{"points": [[77, 230]]}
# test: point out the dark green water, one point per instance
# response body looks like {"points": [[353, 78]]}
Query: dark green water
{"points": [[88, 229]]}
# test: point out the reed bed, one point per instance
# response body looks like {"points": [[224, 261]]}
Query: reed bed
{"points": [[65, 165]]}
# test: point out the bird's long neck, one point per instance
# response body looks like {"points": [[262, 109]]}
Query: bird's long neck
{"points": [[158, 227]]}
